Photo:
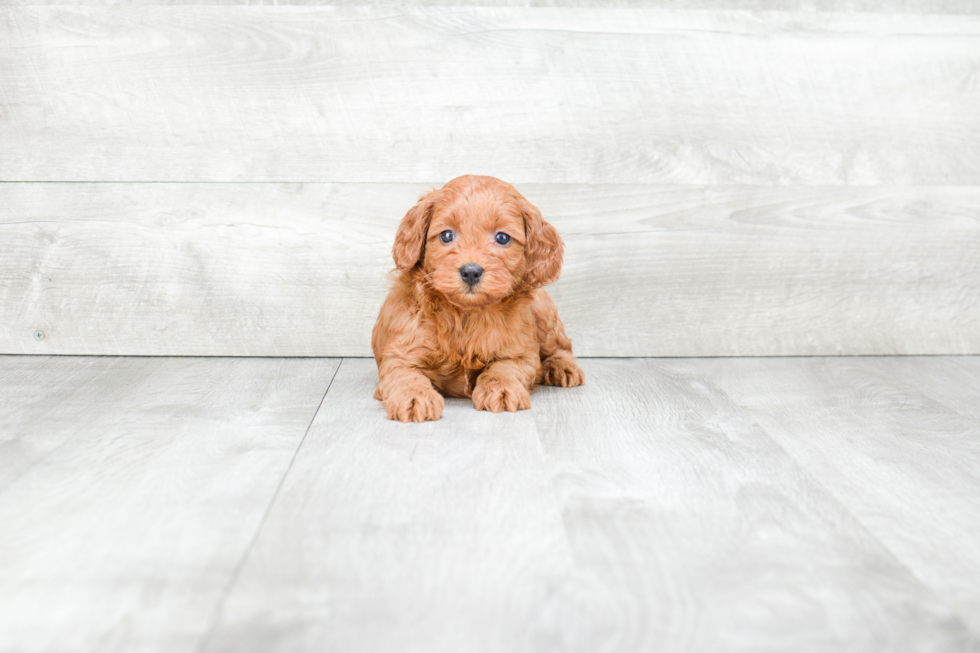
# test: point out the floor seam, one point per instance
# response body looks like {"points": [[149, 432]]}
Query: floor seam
{"points": [[233, 580]]}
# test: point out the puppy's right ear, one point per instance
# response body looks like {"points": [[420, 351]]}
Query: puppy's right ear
{"points": [[409, 247]]}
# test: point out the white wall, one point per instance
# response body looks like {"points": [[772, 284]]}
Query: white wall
{"points": [[227, 179]]}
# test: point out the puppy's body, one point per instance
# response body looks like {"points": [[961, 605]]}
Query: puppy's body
{"points": [[444, 328], [454, 346]]}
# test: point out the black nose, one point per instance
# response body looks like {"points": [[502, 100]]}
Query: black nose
{"points": [[471, 273]]}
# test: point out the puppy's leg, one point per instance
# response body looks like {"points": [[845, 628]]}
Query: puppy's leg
{"points": [[561, 369], [407, 394], [506, 385], [558, 365]]}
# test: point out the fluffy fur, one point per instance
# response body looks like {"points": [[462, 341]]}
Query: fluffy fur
{"points": [[437, 336]]}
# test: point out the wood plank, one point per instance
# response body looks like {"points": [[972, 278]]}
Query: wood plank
{"points": [[300, 269], [968, 7], [386, 536], [895, 440], [950, 381], [643, 511], [130, 490], [548, 95], [694, 530]]}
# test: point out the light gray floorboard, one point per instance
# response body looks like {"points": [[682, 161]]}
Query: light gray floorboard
{"points": [[895, 440], [668, 505], [130, 490], [644, 511], [693, 530], [551, 95], [437, 537], [953, 382], [301, 269]]}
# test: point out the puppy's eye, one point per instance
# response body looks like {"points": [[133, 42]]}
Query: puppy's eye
{"points": [[502, 238], [447, 236]]}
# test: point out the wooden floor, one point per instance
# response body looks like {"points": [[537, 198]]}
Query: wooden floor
{"points": [[265, 504]]}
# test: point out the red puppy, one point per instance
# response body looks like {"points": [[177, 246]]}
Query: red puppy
{"points": [[467, 316]]}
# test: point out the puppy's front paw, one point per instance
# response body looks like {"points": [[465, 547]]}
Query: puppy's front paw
{"points": [[497, 396], [414, 405], [561, 369]]}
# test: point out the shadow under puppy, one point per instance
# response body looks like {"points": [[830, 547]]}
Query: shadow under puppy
{"points": [[467, 316]]}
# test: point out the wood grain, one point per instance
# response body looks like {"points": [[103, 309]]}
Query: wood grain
{"points": [[895, 440], [694, 530], [811, 505], [546, 95], [436, 537], [131, 488], [966, 7], [643, 511], [300, 269]]}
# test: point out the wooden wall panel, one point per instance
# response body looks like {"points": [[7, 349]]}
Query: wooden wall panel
{"points": [[300, 269], [728, 182], [967, 7], [546, 95]]}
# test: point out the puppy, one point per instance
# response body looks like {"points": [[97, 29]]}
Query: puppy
{"points": [[467, 316]]}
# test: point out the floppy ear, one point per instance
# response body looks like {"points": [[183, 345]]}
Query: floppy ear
{"points": [[409, 244], [543, 249]]}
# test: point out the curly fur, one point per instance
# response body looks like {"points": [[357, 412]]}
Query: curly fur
{"points": [[436, 336]]}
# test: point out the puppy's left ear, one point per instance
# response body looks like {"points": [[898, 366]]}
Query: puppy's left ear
{"points": [[409, 247], [543, 249]]}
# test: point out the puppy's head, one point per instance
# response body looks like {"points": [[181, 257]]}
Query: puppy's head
{"points": [[478, 241]]}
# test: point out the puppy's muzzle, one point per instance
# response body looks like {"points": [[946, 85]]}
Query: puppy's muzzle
{"points": [[471, 273]]}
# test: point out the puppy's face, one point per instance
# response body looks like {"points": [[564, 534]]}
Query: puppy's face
{"points": [[478, 241], [474, 248]]}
